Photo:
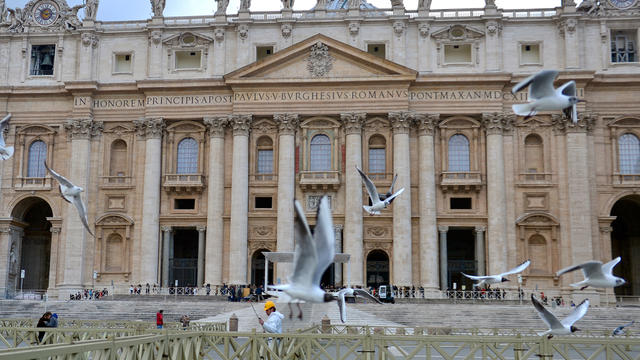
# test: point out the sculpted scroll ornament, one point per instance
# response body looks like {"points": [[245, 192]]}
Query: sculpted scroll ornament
{"points": [[398, 27], [493, 28], [424, 29], [243, 31], [377, 231], [353, 122], [240, 124], [89, 39], [218, 34], [150, 127], [354, 28], [287, 123], [83, 128], [286, 30], [496, 123], [319, 62], [426, 123], [156, 36], [401, 121], [216, 125], [287, 4]]}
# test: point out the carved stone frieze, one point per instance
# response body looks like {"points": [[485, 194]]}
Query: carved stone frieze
{"points": [[240, 124], [83, 128], [287, 123], [567, 26], [424, 28], [401, 121], [89, 39], [243, 31], [398, 27], [426, 123], [286, 29], [319, 62], [218, 33], [314, 200], [263, 230], [353, 122], [30, 19], [255, 245], [149, 127], [354, 28], [377, 231], [216, 125], [458, 33], [493, 27], [497, 123], [156, 37]]}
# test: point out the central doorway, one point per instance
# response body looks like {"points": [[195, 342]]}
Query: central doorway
{"points": [[184, 262], [257, 268], [377, 268], [460, 257], [625, 242]]}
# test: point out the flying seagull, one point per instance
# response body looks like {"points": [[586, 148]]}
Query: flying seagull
{"points": [[596, 274], [5, 151], [496, 279], [390, 192], [620, 329], [377, 204], [351, 292], [543, 97], [557, 327], [71, 194], [313, 255]]}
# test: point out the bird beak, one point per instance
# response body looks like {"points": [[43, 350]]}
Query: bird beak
{"points": [[576, 329]]}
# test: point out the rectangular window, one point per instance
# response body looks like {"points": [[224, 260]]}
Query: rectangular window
{"points": [[184, 204], [265, 161], [530, 54], [623, 46], [377, 161], [263, 202], [378, 50], [263, 51], [42, 59], [189, 59], [457, 54], [460, 203], [122, 63]]}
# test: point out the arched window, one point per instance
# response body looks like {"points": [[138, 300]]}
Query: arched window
{"points": [[538, 254], [629, 148], [459, 153], [533, 154], [118, 161], [377, 156], [320, 154], [37, 156], [114, 253], [265, 155], [187, 156]]}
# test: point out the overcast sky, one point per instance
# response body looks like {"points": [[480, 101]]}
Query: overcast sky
{"points": [[141, 9]]}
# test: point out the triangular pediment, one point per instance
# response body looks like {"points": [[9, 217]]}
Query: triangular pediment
{"points": [[320, 59]]}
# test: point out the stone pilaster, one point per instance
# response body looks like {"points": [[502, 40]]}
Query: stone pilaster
{"points": [[352, 123], [155, 52], [201, 255], [567, 27], [480, 249], [166, 244], [239, 199], [494, 125], [402, 244], [337, 230], [424, 46], [444, 266], [215, 200], [287, 125], [9, 260], [88, 54], [151, 130], [426, 124]]}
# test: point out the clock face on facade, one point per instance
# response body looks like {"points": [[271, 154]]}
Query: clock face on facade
{"points": [[622, 4], [45, 13]]}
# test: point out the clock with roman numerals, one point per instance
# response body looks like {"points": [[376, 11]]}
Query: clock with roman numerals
{"points": [[622, 4], [46, 12]]}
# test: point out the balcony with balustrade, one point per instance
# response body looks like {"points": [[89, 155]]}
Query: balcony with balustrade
{"points": [[184, 183], [319, 180], [462, 181], [33, 183], [117, 182], [625, 180], [535, 179]]}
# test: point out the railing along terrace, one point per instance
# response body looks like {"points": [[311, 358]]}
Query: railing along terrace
{"points": [[76, 324], [626, 179], [535, 177], [528, 13], [180, 345]]}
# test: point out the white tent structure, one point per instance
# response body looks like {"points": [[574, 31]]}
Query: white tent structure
{"points": [[287, 257]]}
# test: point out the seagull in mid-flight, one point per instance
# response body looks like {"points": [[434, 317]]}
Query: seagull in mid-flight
{"points": [[355, 293], [557, 327], [71, 194], [313, 255], [596, 274], [544, 97], [5, 151], [496, 279], [377, 202], [620, 329]]}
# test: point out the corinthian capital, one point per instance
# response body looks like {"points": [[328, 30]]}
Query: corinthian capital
{"points": [[240, 124], [401, 121], [216, 125], [562, 124], [497, 123], [149, 127], [426, 123], [287, 123], [83, 128], [353, 122]]}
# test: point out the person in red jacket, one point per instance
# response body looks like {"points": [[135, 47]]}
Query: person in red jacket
{"points": [[159, 319]]}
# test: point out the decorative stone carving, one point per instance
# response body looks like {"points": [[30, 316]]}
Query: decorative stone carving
{"points": [[424, 4], [567, 26], [243, 31], [157, 6], [426, 123], [319, 62], [215, 125], [89, 39], [490, 3], [3, 12], [240, 124], [314, 200], [91, 9], [263, 230], [457, 33], [401, 121], [286, 30], [397, 3], [150, 127], [398, 27], [493, 27], [71, 21], [245, 5], [166, 229], [222, 7], [218, 34], [424, 29], [321, 4], [354, 28], [354, 4], [287, 123], [353, 122], [156, 37], [562, 124], [287, 4], [496, 123], [83, 128], [17, 18], [377, 231], [13, 259]]}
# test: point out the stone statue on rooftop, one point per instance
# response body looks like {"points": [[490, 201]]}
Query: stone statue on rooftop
{"points": [[397, 3], [424, 4], [222, 7], [91, 9], [157, 6], [3, 12], [490, 3], [287, 4], [354, 4], [321, 4], [245, 5]]}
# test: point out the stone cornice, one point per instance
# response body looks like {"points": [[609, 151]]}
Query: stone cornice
{"points": [[150, 128], [401, 121], [83, 128], [240, 124], [562, 124], [216, 125], [287, 123], [426, 123], [353, 122], [497, 123]]}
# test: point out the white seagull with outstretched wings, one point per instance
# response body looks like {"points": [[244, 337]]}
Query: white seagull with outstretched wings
{"points": [[596, 274], [342, 306], [557, 327], [377, 204], [5, 151], [496, 279], [71, 194]]}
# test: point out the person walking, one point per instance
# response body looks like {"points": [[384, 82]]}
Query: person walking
{"points": [[44, 322], [273, 324], [160, 319]]}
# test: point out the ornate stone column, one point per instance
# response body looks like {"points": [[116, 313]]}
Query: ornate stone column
{"points": [[287, 124], [151, 129], [9, 260], [215, 200], [54, 257], [444, 266], [200, 276], [166, 245], [239, 200], [480, 249], [353, 245], [402, 257], [426, 124], [76, 237], [337, 278], [495, 124]]}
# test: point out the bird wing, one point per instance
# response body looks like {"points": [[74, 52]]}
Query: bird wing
{"points": [[576, 314], [393, 183], [477, 278], [371, 188], [390, 198], [342, 306], [546, 316], [324, 240], [61, 179], [82, 211], [567, 89], [608, 267], [304, 258], [4, 123], [540, 84], [365, 294], [518, 269], [590, 267]]}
